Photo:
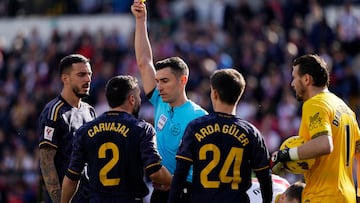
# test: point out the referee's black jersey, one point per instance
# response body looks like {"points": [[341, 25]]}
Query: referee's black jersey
{"points": [[223, 150], [57, 124], [117, 147]]}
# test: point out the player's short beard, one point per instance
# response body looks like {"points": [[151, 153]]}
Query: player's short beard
{"points": [[79, 95], [136, 111], [300, 93]]}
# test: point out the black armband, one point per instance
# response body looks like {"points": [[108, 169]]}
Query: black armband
{"points": [[153, 169]]}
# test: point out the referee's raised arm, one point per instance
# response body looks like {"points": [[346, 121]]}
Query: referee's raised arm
{"points": [[143, 52]]}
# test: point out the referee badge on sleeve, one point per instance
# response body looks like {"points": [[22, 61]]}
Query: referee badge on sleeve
{"points": [[48, 133], [161, 123]]}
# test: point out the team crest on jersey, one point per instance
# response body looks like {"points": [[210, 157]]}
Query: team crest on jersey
{"points": [[315, 121], [175, 129], [48, 133]]}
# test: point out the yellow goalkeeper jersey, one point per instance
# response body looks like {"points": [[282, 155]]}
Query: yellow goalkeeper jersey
{"points": [[331, 178]]}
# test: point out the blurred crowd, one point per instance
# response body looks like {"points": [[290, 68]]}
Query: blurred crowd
{"points": [[259, 41]]}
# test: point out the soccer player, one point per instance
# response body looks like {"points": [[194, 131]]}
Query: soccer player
{"points": [[164, 85], [58, 122], [223, 149], [118, 148], [279, 186], [330, 131]]}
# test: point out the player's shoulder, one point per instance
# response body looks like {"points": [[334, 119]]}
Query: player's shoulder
{"points": [[140, 123], [202, 119], [144, 124], [86, 105], [323, 100], [101, 119], [89, 108], [247, 126], [54, 103], [197, 109], [54, 107], [143, 127]]}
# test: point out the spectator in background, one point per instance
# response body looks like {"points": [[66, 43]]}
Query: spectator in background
{"points": [[321, 35], [58, 122], [348, 29]]}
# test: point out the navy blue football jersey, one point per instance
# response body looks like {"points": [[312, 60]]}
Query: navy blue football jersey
{"points": [[57, 125], [118, 148], [223, 150]]}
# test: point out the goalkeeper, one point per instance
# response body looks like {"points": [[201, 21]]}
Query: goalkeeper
{"points": [[331, 133]]}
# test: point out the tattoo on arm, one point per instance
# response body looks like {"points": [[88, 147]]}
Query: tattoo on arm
{"points": [[49, 173]]}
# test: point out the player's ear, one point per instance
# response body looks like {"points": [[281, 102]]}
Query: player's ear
{"points": [[183, 80], [131, 99], [308, 80], [64, 78], [214, 94]]}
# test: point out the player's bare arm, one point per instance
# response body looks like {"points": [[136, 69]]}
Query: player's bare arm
{"points": [[49, 173], [318, 146], [68, 189], [161, 179], [143, 52]]}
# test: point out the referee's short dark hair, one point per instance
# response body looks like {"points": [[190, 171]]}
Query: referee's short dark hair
{"points": [[67, 61], [176, 64]]}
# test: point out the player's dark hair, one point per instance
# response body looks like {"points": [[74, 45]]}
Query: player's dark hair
{"points": [[315, 66], [295, 191], [118, 88], [176, 64], [229, 84], [67, 61]]}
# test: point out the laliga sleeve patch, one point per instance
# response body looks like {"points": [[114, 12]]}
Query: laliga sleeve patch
{"points": [[48, 133]]}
